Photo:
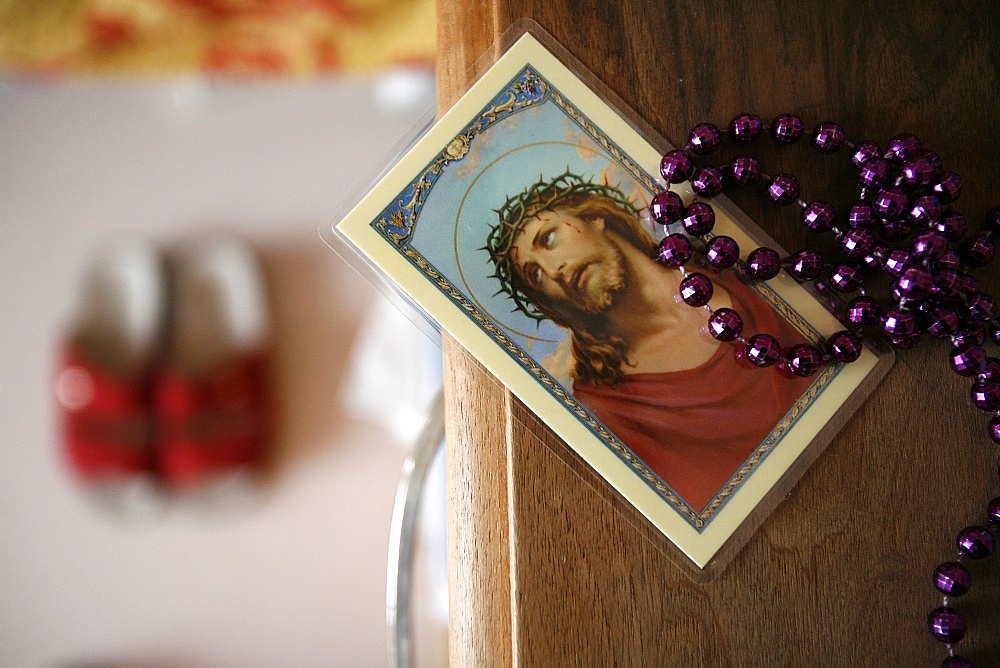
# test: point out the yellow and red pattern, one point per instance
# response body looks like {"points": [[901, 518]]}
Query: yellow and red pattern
{"points": [[298, 38]]}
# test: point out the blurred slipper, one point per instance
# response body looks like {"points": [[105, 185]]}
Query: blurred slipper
{"points": [[211, 397], [102, 378]]}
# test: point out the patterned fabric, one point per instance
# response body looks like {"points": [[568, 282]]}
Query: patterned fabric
{"points": [[288, 38]]}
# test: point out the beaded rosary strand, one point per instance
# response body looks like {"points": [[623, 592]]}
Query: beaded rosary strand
{"points": [[903, 226]]}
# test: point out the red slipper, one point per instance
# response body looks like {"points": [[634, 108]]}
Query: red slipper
{"points": [[101, 381], [212, 403]]}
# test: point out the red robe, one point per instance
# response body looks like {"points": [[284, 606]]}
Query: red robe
{"points": [[695, 428]]}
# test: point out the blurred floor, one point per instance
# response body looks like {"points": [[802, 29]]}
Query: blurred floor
{"points": [[298, 576]]}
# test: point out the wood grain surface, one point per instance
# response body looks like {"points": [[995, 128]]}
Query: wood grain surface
{"points": [[547, 565]]}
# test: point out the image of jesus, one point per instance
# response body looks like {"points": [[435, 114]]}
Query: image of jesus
{"points": [[576, 253]]}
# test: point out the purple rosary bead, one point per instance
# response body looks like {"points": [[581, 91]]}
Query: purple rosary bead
{"points": [[994, 428], [707, 181], [861, 215], [952, 579], [704, 138], [890, 202], [675, 250], [956, 661], [980, 307], [993, 220], [725, 324], [993, 511], [929, 244], [857, 243], [787, 129], [968, 359], [915, 282], [845, 347], [746, 127], [902, 148], [875, 173], [744, 170], [828, 137], [666, 207], [948, 187], [696, 289], [803, 360], [763, 350], [894, 229], [896, 262], [722, 252], [986, 395], [699, 219], [942, 322], [918, 172], [898, 322], [863, 152], [806, 265], [784, 189], [863, 310], [972, 335], [763, 263], [818, 216], [847, 278], [952, 225], [979, 250], [676, 166], [946, 624], [976, 542], [925, 211]]}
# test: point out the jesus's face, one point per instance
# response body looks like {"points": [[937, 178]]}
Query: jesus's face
{"points": [[570, 261]]}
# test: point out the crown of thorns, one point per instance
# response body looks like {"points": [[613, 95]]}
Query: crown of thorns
{"points": [[537, 198]]}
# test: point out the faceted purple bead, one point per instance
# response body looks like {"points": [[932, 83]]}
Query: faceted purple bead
{"points": [[967, 359], [979, 250], [696, 289], [784, 189], [704, 138], [993, 511], [898, 322], [894, 229], [763, 350], [976, 542], [929, 244], [972, 334], [666, 207], [707, 181], [864, 151], [675, 250], [698, 219], [948, 187], [828, 137], [992, 370], [949, 260], [918, 172], [845, 347], [946, 624], [787, 129], [952, 579], [763, 263], [994, 428], [915, 282], [861, 215], [875, 173], [806, 265], [874, 259], [818, 216], [897, 261], [746, 127], [890, 202], [952, 225], [942, 322], [986, 395], [744, 170], [902, 147], [967, 284], [676, 166], [847, 277], [722, 252], [980, 306], [857, 242], [863, 310], [956, 661], [925, 211], [993, 220], [803, 360], [725, 324], [906, 342]]}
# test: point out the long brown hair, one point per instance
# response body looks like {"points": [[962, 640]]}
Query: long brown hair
{"points": [[600, 354]]}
